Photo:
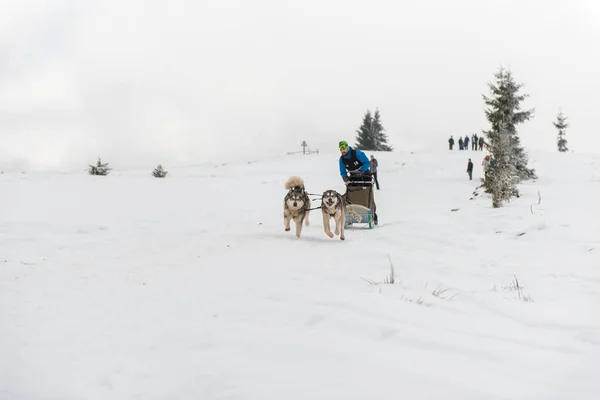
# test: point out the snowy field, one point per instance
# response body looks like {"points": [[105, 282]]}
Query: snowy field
{"points": [[187, 288]]}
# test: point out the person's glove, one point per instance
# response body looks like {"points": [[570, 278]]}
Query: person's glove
{"points": [[355, 172], [346, 179]]}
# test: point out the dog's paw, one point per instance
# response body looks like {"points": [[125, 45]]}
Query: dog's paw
{"points": [[330, 234], [287, 229], [342, 238]]}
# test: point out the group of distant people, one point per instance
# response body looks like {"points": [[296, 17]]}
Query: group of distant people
{"points": [[463, 144]]}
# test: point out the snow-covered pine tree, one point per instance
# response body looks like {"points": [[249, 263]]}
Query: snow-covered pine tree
{"points": [[502, 177], [99, 168], [562, 125], [159, 172], [381, 138], [366, 136], [504, 105]]}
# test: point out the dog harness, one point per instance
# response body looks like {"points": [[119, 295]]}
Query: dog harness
{"points": [[331, 215]]}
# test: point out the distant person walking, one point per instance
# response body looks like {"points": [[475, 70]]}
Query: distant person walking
{"points": [[451, 142], [486, 163], [470, 169], [374, 165]]}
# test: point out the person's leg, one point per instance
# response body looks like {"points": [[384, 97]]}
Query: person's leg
{"points": [[375, 220]]}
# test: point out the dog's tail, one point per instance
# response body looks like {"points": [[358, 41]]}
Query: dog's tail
{"points": [[294, 181]]}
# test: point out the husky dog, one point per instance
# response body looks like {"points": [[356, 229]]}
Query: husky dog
{"points": [[296, 204], [333, 206]]}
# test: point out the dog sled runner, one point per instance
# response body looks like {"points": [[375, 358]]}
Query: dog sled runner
{"points": [[360, 201]]}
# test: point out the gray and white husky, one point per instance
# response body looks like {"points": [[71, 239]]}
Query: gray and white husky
{"points": [[333, 206], [296, 204]]}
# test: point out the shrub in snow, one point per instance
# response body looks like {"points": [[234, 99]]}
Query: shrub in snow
{"points": [[159, 172], [99, 168], [561, 124]]}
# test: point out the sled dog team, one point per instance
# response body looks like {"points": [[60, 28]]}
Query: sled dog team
{"points": [[296, 207], [354, 166]]}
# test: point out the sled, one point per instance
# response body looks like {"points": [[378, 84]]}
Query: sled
{"points": [[360, 202]]}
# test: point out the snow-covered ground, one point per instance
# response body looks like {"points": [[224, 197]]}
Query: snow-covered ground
{"points": [[132, 287]]}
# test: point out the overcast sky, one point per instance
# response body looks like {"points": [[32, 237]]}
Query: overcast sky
{"points": [[184, 82]]}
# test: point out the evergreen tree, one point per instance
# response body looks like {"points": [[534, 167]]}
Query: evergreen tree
{"points": [[371, 134], [504, 106], [379, 134], [159, 172], [502, 175], [366, 137], [561, 124], [99, 168]]}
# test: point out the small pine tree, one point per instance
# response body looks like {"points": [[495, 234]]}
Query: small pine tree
{"points": [[99, 168], [379, 134], [366, 137], [159, 172], [504, 106], [561, 124], [502, 174]]}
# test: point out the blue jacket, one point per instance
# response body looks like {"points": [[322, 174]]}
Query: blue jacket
{"points": [[362, 157]]}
